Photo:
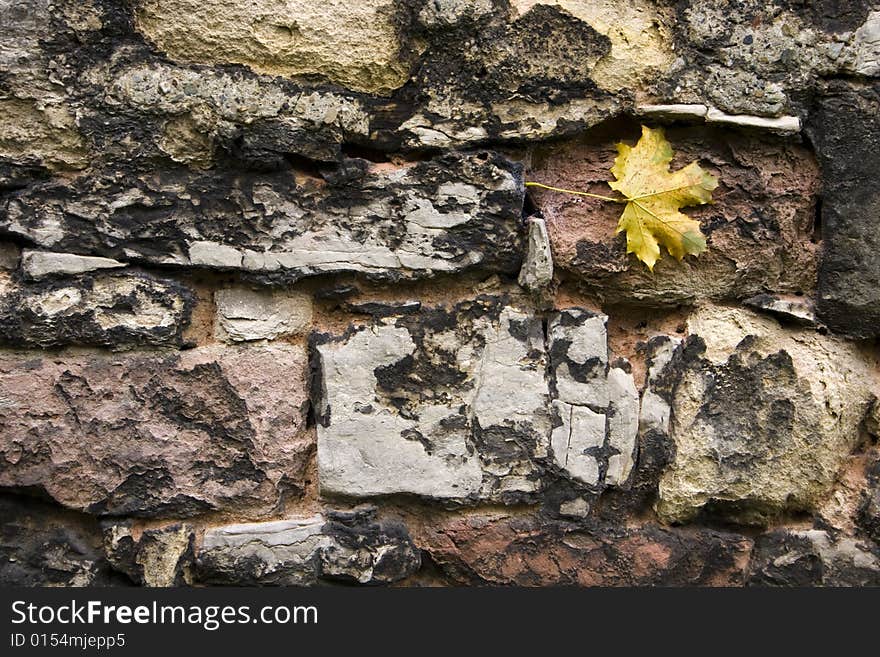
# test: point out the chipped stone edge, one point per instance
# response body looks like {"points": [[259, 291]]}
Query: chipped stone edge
{"points": [[37, 265], [783, 125], [537, 268]]}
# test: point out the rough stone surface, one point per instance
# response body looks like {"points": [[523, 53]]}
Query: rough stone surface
{"points": [[440, 216], [40, 264], [813, 558], [762, 417], [42, 546], [578, 440], [473, 432], [120, 311], [244, 314], [759, 227], [846, 130], [526, 75], [353, 44], [457, 404], [756, 58], [156, 435], [866, 43], [38, 131], [10, 255], [784, 308], [347, 547], [480, 549], [576, 508], [639, 35], [459, 73], [158, 557], [868, 518], [598, 405], [537, 270], [204, 117], [842, 512], [190, 189]]}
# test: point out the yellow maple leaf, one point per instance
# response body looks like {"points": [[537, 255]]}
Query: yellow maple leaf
{"points": [[654, 195]]}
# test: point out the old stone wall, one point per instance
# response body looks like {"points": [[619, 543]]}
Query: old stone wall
{"points": [[276, 306]]}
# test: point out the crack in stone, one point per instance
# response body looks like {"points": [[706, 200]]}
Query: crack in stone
{"points": [[570, 431]]}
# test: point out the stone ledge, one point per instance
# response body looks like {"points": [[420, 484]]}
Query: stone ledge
{"points": [[41, 264], [783, 125]]}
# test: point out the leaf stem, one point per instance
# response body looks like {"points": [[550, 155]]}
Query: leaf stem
{"points": [[571, 191], [665, 191]]}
